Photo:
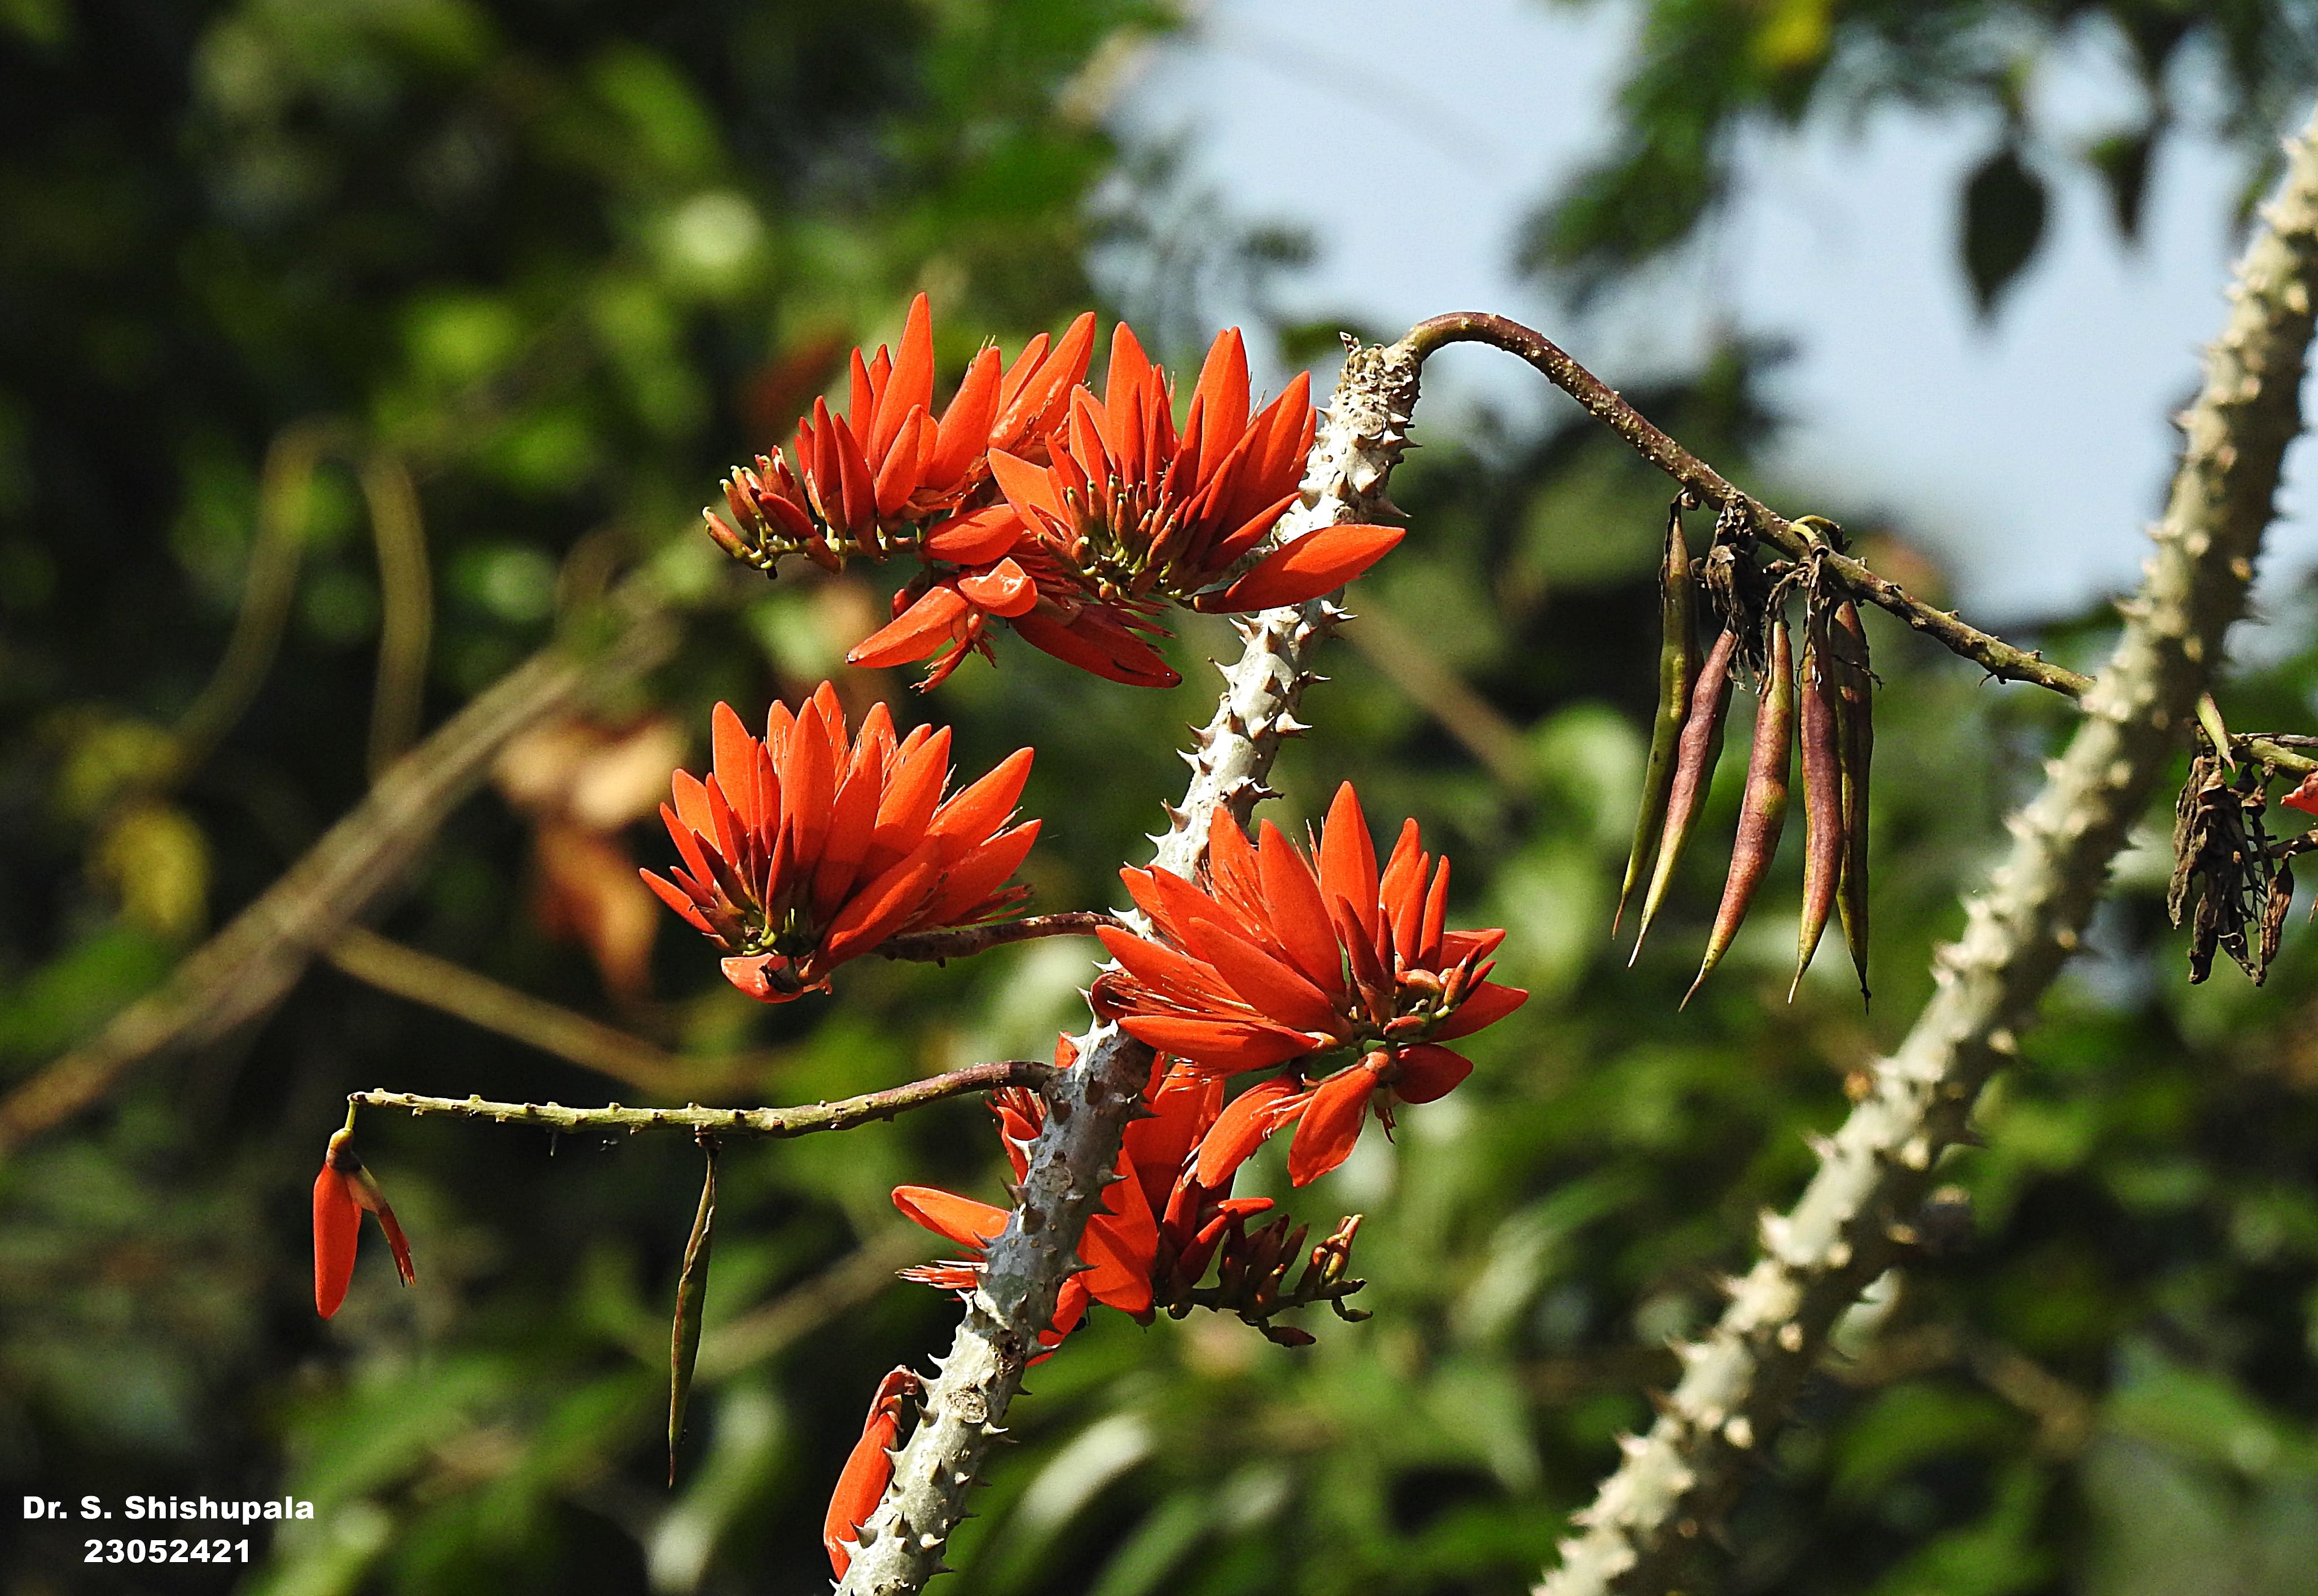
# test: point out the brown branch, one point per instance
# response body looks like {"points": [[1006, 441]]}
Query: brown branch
{"points": [[1999, 659], [776, 1123], [420, 977], [932, 947], [240, 973]]}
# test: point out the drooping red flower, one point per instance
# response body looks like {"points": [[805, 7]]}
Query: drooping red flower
{"points": [[1140, 512], [945, 618], [869, 1470], [342, 1191], [887, 475], [1273, 961], [803, 850], [2304, 797]]}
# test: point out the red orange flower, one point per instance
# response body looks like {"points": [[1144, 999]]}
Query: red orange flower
{"points": [[804, 849], [885, 474], [342, 1191], [869, 1470], [1273, 961], [1139, 512], [2304, 797]]}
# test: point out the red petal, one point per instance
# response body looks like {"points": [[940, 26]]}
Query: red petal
{"points": [[1129, 367], [975, 539], [969, 882], [1315, 563], [1222, 396], [1264, 983], [897, 470], [1028, 488], [1298, 913], [1115, 655], [1004, 589], [2305, 796], [925, 626], [1428, 1072], [960, 1221], [877, 910], [867, 1471], [980, 809], [676, 899], [337, 1230], [853, 470], [965, 431], [1162, 970], [1484, 1005], [1243, 1126], [1226, 1046], [1331, 1125], [912, 384], [1348, 867]]}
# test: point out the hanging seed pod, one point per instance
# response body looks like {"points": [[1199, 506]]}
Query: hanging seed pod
{"points": [[1700, 746], [1822, 790], [1763, 811], [1855, 728], [1677, 668], [691, 1295]]}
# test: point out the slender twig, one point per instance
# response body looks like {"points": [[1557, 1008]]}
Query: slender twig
{"points": [[1999, 659], [776, 1122], [420, 977], [1417, 669], [1072, 1161], [276, 549], [406, 593], [1739, 1381], [932, 947], [242, 972]]}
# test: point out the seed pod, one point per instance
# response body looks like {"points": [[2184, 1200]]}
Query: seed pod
{"points": [[1822, 792], [691, 1295], [1763, 811], [1856, 743], [1700, 746], [1677, 668]]}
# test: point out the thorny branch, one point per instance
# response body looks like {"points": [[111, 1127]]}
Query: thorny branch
{"points": [[776, 1122], [1643, 1528], [903, 1542]]}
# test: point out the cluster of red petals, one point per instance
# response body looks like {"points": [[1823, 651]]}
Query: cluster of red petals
{"points": [[887, 472], [806, 847], [869, 1470], [1160, 1225], [1031, 503], [1138, 511], [342, 1191], [1274, 959]]}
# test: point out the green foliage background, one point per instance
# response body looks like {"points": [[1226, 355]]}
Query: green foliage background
{"points": [[565, 261]]}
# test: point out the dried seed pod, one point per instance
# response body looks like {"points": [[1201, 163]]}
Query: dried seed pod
{"points": [[1855, 744], [1677, 668], [1763, 811], [2273, 917], [1700, 746], [691, 1297], [1822, 791]]}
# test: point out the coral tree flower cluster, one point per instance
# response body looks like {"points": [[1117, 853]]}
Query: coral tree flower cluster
{"points": [[1163, 1228], [1277, 961], [805, 847], [1073, 519]]}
